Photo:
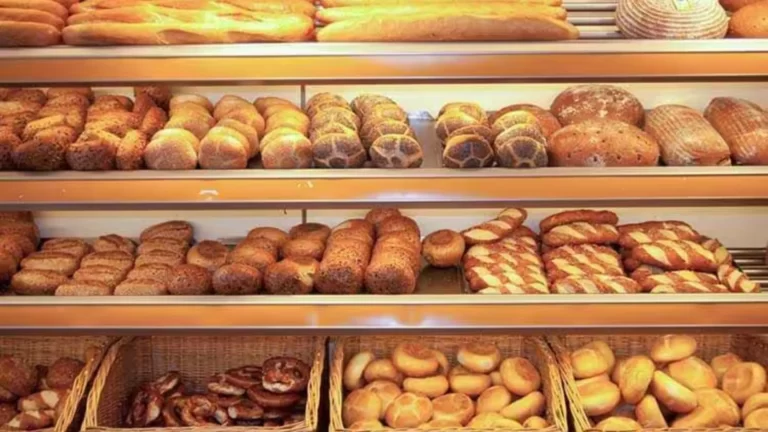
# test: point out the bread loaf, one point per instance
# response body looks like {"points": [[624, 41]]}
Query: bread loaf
{"points": [[467, 151], [676, 255], [685, 137], [224, 148], [578, 233], [338, 151], [602, 143], [396, 151], [744, 126], [548, 123], [291, 276], [593, 102], [335, 14], [31, 16], [233, 6], [652, 19], [236, 279], [750, 21], [28, 34]]}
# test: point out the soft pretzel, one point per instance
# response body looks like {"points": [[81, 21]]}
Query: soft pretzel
{"points": [[690, 288], [559, 268], [43, 400], [489, 249], [631, 239], [481, 278], [267, 399], [648, 283], [675, 255], [722, 256], [166, 383], [513, 259], [220, 385], [32, 420], [146, 408], [577, 233], [593, 253], [595, 284], [245, 409], [285, 375], [505, 223], [244, 376], [735, 280], [572, 216]]}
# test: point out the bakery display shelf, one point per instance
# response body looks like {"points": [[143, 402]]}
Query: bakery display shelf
{"points": [[603, 59]]}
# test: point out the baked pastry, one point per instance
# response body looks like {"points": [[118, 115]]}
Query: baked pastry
{"points": [[467, 151], [236, 279], [141, 287], [685, 137], [157, 272], [160, 257], [178, 246], [396, 151], [749, 21], [544, 119], [60, 262], [375, 128], [286, 149], [596, 101], [338, 151], [224, 148], [291, 276], [180, 230], [257, 253], [602, 143], [451, 121], [276, 236], [303, 247], [46, 151], [37, 282], [112, 242]]}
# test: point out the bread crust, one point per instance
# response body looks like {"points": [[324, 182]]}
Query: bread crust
{"points": [[602, 143]]}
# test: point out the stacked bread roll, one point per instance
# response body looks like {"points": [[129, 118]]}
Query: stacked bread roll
{"points": [[386, 133], [300, 253], [34, 396], [285, 145], [442, 20], [417, 387], [235, 138], [19, 237], [519, 140], [334, 132], [467, 140], [396, 260], [744, 126], [33, 23], [246, 264], [346, 257], [43, 134], [654, 19], [44, 271], [668, 387], [504, 256], [685, 137]]}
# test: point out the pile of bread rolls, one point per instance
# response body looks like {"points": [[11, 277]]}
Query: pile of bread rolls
{"points": [[285, 145], [32, 397], [386, 134], [417, 387], [442, 20], [669, 386], [33, 23], [19, 237]]}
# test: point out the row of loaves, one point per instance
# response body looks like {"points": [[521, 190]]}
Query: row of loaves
{"points": [[603, 126]]}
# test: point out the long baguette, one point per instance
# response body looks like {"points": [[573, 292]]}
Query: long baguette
{"points": [[49, 6], [28, 34], [150, 14], [303, 7], [286, 28], [336, 14], [448, 27], [31, 15], [339, 3]]}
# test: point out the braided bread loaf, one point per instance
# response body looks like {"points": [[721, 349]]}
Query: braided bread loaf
{"points": [[581, 233], [595, 284], [675, 255], [673, 278], [735, 280], [488, 232], [631, 239]]}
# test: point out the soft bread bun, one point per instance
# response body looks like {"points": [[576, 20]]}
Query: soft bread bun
{"points": [[430, 387], [387, 391], [671, 348], [598, 396], [720, 364], [618, 424], [311, 231], [286, 149], [648, 413], [193, 98], [443, 248], [491, 420], [493, 399], [236, 279], [275, 235], [247, 116], [353, 373], [693, 373], [717, 400], [532, 404], [535, 422], [189, 279], [291, 276], [366, 425], [744, 380], [467, 382], [453, 407], [251, 134], [262, 103], [757, 419], [414, 360], [635, 377], [17, 377], [616, 373], [442, 360], [377, 215], [382, 369], [588, 362], [172, 149], [672, 394], [440, 424], [479, 357], [224, 148], [520, 376], [360, 405], [408, 411], [208, 254], [230, 103], [756, 401], [604, 350], [701, 417]]}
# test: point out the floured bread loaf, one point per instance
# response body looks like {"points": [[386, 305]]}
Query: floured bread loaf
{"points": [[667, 19]]}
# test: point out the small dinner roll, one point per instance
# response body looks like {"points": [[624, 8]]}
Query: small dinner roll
{"points": [[360, 405], [415, 360], [672, 394], [520, 376], [588, 362], [533, 404], [693, 373], [720, 364], [493, 399], [443, 248], [743, 380], [453, 407], [604, 350], [382, 369], [430, 387], [479, 357], [467, 382], [387, 391], [353, 373], [669, 348], [408, 411]]}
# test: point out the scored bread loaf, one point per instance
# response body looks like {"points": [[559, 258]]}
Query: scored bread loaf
{"points": [[744, 126], [659, 19], [596, 101], [270, 6], [685, 137], [750, 21], [32, 16], [331, 15], [448, 27], [338, 3], [602, 143]]}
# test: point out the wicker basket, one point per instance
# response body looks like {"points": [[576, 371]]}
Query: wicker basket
{"points": [[36, 350], [533, 348], [133, 361], [750, 348]]}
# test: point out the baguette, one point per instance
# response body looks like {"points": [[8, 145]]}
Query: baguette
{"points": [[448, 27], [152, 14], [49, 6], [28, 34], [31, 16], [302, 7], [266, 28], [332, 15], [338, 3]]}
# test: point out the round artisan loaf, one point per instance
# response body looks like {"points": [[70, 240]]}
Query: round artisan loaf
{"points": [[375, 128], [336, 115], [596, 101], [193, 98], [208, 254], [251, 134], [286, 148], [602, 143], [451, 121], [224, 148], [661, 19], [236, 279], [338, 151], [290, 119], [467, 151], [195, 120], [172, 149], [396, 151], [545, 119]]}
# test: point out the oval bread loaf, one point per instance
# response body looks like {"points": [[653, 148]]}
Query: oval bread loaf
{"points": [[685, 137]]}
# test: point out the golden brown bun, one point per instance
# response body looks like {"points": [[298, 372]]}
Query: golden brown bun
{"points": [[693, 373], [457, 408], [291, 276], [84, 288], [120, 260], [290, 119], [648, 413], [671, 348], [396, 151], [520, 376], [479, 358], [176, 229], [37, 282], [414, 360], [672, 394], [107, 275], [389, 273], [172, 149], [396, 223], [443, 248], [360, 405], [336, 115], [757, 419], [635, 378], [72, 246], [374, 129], [275, 235], [236, 279], [598, 396], [588, 362], [734, 5], [16, 376], [493, 421], [262, 103], [408, 411], [61, 262], [160, 257], [493, 399], [533, 404], [353, 372], [387, 391], [249, 117], [208, 254], [618, 424], [468, 383], [310, 231], [303, 248], [378, 215], [27, 230], [338, 151], [178, 246], [224, 148], [325, 97], [286, 149], [46, 151], [382, 369], [141, 287], [196, 121], [193, 98], [130, 151], [430, 387], [749, 21], [189, 279], [721, 363], [744, 380], [726, 409], [257, 253], [251, 134], [701, 417], [157, 272], [756, 401]]}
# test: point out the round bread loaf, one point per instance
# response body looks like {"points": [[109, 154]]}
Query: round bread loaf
{"points": [[291, 276], [208, 254], [297, 121], [191, 98], [17, 377], [172, 149], [602, 143], [530, 130], [467, 151], [224, 148], [471, 108], [522, 152], [230, 103], [336, 115], [396, 151], [364, 103], [286, 150], [660, 19], [376, 128], [338, 151], [188, 106], [248, 116], [196, 122], [46, 151], [189, 279], [390, 111], [325, 97], [330, 128], [262, 103], [595, 101], [251, 134], [451, 121], [548, 122], [236, 279], [303, 247], [252, 253], [750, 21]]}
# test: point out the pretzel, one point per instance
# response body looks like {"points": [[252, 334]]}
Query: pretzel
{"points": [[245, 409], [220, 385], [736, 280], [516, 289], [166, 383], [631, 239], [526, 242], [145, 408], [482, 278], [675, 277], [643, 271], [722, 256], [244, 376], [503, 225], [197, 411], [631, 264], [499, 267], [43, 400], [523, 232], [285, 375], [581, 233], [690, 288], [559, 268], [223, 401], [572, 216], [645, 226], [595, 284], [178, 391], [267, 399], [31, 420], [675, 255], [169, 413]]}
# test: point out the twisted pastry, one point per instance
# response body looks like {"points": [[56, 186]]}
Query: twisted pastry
{"points": [[675, 255], [581, 233]]}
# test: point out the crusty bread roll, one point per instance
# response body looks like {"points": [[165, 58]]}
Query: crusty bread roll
{"points": [[291, 276], [672, 394], [648, 413], [588, 362], [236, 279], [493, 399], [408, 411], [671, 348], [360, 405], [467, 151], [743, 125], [61, 262], [208, 254], [46, 151], [257, 253], [194, 121], [492, 420], [443, 248], [602, 143], [28, 34], [414, 360], [598, 395], [685, 137], [635, 378], [455, 407], [693, 373], [160, 257], [749, 21], [286, 149], [721, 363], [533, 404], [251, 134], [37, 282], [276, 236], [727, 412], [172, 149], [141, 287], [382, 369], [157, 272], [520, 376], [396, 151], [224, 148], [430, 387], [596, 101], [176, 229], [744, 380], [303, 247], [338, 151], [189, 279]]}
